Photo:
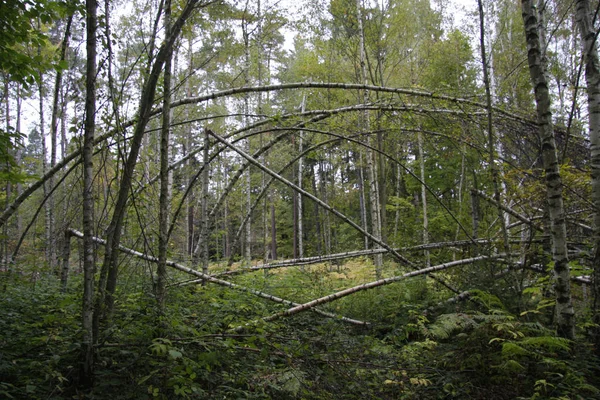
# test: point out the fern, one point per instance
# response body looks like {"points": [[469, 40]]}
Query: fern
{"points": [[489, 300], [511, 349], [551, 343], [447, 324]]}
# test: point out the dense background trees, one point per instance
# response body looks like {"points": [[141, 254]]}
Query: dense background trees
{"points": [[426, 183]]}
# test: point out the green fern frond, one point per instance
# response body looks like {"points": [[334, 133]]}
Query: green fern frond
{"points": [[491, 301], [511, 366], [551, 343], [446, 324], [511, 349]]}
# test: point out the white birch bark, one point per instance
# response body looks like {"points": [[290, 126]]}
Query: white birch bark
{"points": [[565, 314], [300, 175], [208, 278]]}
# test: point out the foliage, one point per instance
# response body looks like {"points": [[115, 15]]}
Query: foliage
{"points": [[21, 36], [213, 342], [190, 351]]}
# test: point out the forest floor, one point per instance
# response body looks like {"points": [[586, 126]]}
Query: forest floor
{"points": [[212, 342]]}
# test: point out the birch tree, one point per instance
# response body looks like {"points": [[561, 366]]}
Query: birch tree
{"points": [[565, 314]]}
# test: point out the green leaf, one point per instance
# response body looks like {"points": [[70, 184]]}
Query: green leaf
{"points": [[175, 354]]}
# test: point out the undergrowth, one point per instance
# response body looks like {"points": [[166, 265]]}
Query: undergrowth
{"points": [[413, 349]]}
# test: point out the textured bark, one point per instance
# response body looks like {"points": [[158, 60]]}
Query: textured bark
{"points": [[475, 210], [4, 239], [48, 211], [273, 233], [361, 197], [565, 314], [300, 177], [86, 375], [187, 160], [316, 215], [246, 72], [592, 76]]}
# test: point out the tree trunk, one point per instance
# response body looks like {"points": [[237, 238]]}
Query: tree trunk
{"points": [[48, 211], [423, 197], [490, 129], [204, 222], [56, 108], [592, 76], [371, 168], [87, 365], [327, 227], [108, 277], [565, 315], [273, 231], [300, 177], [66, 254], [163, 210], [4, 240], [361, 196], [317, 217], [248, 236]]}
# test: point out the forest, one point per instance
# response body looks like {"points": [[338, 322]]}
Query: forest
{"points": [[326, 199]]}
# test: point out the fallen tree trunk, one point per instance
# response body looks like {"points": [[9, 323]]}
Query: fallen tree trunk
{"points": [[349, 254], [380, 282], [208, 278]]}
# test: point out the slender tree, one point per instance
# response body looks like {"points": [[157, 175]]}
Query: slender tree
{"points": [[163, 213], [592, 75], [87, 365]]}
